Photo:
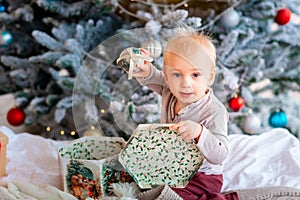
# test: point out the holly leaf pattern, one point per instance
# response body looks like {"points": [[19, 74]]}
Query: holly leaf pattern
{"points": [[155, 155]]}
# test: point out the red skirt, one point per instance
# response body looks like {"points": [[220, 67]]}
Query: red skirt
{"points": [[205, 187]]}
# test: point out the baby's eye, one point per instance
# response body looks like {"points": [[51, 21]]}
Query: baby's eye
{"points": [[196, 75], [176, 74]]}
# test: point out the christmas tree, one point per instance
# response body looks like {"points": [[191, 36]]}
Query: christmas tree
{"points": [[43, 44], [58, 58], [259, 64]]}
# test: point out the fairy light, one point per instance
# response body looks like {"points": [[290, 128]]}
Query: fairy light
{"points": [[73, 133], [102, 110], [48, 128], [92, 127], [186, 5]]}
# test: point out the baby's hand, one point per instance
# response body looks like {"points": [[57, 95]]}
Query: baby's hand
{"points": [[136, 62], [188, 129]]}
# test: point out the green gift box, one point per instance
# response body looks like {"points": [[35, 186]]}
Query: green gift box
{"points": [[90, 165], [154, 155]]}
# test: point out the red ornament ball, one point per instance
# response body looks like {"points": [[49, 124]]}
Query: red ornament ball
{"points": [[283, 16], [15, 116], [236, 103]]}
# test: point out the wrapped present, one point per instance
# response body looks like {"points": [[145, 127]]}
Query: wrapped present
{"points": [[154, 155], [90, 165], [3, 144], [131, 56]]}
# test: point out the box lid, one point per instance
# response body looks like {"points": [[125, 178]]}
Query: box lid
{"points": [[3, 138], [156, 155]]}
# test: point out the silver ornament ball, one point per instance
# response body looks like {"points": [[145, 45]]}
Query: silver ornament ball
{"points": [[230, 18], [154, 47], [252, 124]]}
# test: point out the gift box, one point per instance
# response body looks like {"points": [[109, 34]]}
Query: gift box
{"points": [[155, 155], [90, 165], [3, 144], [130, 57]]}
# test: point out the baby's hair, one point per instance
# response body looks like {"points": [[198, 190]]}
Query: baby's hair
{"points": [[186, 40], [202, 38]]}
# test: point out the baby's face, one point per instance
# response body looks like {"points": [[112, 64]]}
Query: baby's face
{"points": [[186, 82]]}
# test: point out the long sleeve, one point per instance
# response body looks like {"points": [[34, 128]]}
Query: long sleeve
{"points": [[214, 147], [155, 81], [213, 142]]}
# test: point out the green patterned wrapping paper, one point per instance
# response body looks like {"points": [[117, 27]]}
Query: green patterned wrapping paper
{"points": [[155, 155], [90, 164], [92, 148]]}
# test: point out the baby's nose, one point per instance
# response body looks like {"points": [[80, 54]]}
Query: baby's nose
{"points": [[186, 82]]}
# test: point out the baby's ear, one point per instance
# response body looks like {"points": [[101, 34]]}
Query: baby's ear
{"points": [[212, 77]]}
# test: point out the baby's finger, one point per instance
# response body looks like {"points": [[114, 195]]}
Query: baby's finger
{"points": [[142, 67], [175, 126], [145, 51], [137, 75], [182, 129], [184, 134]]}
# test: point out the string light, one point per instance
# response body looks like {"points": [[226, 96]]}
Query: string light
{"points": [[52, 130], [62, 132], [73, 133], [186, 5], [102, 110], [48, 128]]}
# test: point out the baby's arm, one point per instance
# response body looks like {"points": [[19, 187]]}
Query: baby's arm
{"points": [[213, 142], [155, 80], [150, 76], [213, 145]]}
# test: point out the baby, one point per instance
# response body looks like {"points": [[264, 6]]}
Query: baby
{"points": [[189, 103]]}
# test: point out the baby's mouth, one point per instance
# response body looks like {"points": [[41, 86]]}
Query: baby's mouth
{"points": [[186, 94]]}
